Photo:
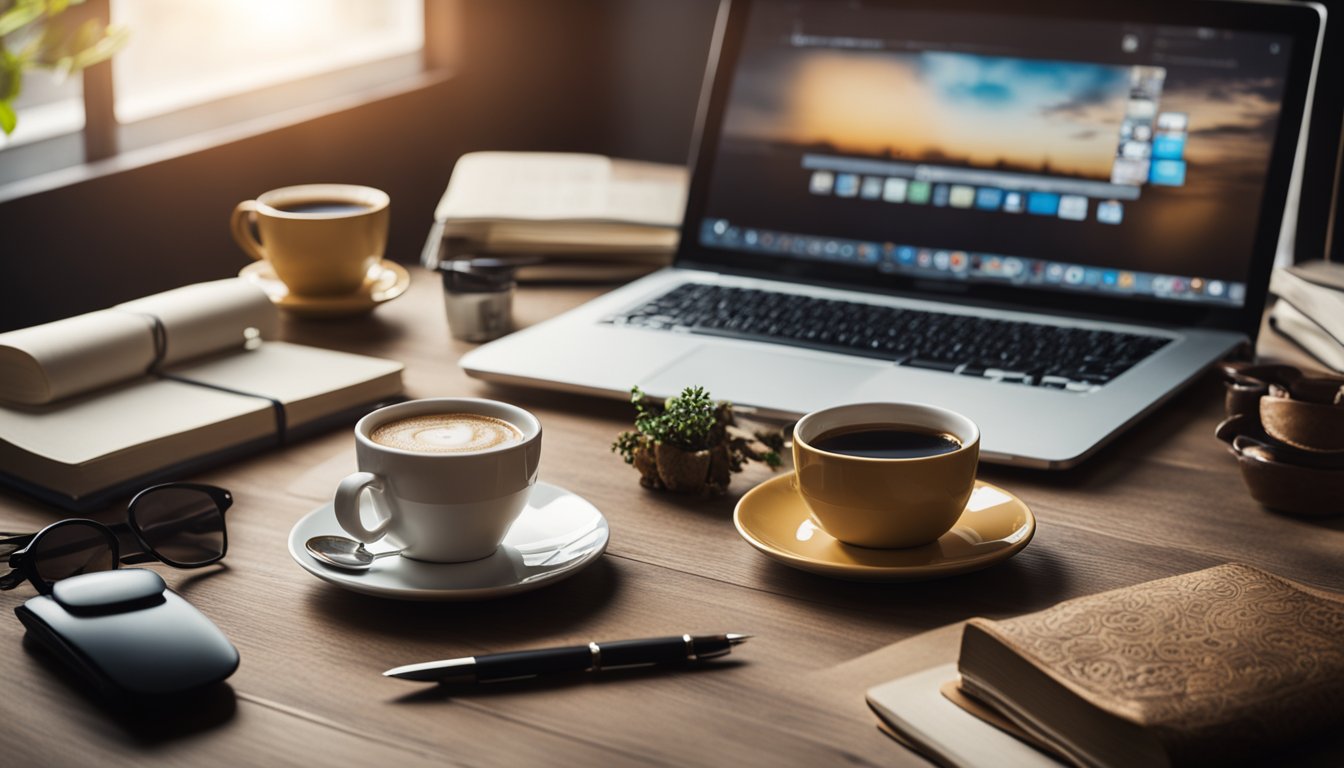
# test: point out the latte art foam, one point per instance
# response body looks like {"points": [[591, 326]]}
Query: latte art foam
{"points": [[446, 433]]}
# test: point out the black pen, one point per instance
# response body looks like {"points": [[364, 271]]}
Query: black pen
{"points": [[593, 657]]}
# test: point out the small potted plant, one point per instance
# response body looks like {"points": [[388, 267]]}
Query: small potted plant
{"points": [[690, 444]]}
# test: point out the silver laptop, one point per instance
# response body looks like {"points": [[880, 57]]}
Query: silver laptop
{"points": [[1049, 220]]}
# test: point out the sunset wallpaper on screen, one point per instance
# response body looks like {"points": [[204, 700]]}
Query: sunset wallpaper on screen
{"points": [[1037, 116], [938, 107]]}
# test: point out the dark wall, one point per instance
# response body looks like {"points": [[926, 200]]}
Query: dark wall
{"points": [[113, 238], [659, 53], [618, 77]]}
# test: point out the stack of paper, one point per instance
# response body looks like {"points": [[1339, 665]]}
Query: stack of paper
{"points": [[1310, 310], [581, 216]]}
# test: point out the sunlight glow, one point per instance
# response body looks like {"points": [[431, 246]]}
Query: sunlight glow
{"points": [[185, 53]]}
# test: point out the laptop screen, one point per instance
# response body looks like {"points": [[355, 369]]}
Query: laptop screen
{"points": [[937, 146]]}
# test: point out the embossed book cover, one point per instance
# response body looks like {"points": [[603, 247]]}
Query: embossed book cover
{"points": [[1218, 666]]}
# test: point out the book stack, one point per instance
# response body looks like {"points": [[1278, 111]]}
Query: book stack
{"points": [[1222, 666], [103, 404], [1310, 309], [560, 216]]}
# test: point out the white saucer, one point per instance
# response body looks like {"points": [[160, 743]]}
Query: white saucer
{"points": [[556, 536], [385, 281]]}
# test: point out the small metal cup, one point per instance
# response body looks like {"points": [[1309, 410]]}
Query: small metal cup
{"points": [[478, 297]]}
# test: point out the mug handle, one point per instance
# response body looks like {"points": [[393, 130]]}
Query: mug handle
{"points": [[347, 506], [243, 215]]}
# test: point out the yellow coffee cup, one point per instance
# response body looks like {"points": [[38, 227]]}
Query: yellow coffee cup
{"points": [[885, 475], [320, 239]]}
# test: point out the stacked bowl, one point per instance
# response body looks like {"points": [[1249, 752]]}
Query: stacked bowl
{"points": [[1286, 430]]}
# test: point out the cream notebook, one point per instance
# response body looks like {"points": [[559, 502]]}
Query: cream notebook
{"points": [[101, 404]]}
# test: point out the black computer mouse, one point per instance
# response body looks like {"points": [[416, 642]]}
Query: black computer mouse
{"points": [[129, 635]]}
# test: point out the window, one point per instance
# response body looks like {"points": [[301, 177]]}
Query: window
{"points": [[191, 67], [171, 62], [49, 106]]}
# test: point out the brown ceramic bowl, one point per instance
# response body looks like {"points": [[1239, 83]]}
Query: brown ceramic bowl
{"points": [[1305, 491], [1264, 374], [1248, 382], [1243, 398], [1325, 390], [1311, 426], [1285, 378], [1303, 411]]}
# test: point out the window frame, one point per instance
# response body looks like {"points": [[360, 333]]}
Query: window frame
{"points": [[103, 145]]}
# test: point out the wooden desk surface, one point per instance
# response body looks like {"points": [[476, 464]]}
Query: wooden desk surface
{"points": [[1165, 499]]}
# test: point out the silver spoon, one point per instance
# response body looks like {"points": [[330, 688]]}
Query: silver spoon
{"points": [[345, 553], [348, 554]]}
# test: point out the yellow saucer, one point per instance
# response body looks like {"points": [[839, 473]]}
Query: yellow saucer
{"points": [[386, 281], [773, 518]]}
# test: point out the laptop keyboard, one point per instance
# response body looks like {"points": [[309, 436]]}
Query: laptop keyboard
{"points": [[1033, 354]]}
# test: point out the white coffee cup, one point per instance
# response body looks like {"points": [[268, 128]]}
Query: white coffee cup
{"points": [[441, 507]]}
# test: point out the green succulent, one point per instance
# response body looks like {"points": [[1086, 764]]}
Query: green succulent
{"points": [[684, 421], [692, 422]]}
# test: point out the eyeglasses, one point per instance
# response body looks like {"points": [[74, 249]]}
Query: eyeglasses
{"points": [[181, 524]]}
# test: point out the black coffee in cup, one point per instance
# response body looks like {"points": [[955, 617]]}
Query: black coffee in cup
{"points": [[886, 441], [342, 207]]}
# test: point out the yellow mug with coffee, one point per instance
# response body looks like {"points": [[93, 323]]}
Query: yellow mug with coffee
{"points": [[885, 475], [320, 239]]}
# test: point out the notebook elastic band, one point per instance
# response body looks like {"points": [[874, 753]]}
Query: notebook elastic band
{"points": [[159, 333], [277, 407]]}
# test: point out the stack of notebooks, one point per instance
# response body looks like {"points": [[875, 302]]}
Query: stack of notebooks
{"points": [[102, 404], [561, 216], [1310, 309], [1222, 666]]}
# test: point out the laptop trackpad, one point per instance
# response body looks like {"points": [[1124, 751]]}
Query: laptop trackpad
{"points": [[783, 381]]}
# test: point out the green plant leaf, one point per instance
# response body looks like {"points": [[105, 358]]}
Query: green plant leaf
{"points": [[48, 48], [22, 14], [84, 36], [102, 49], [11, 76], [685, 421], [48, 44], [8, 117]]}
